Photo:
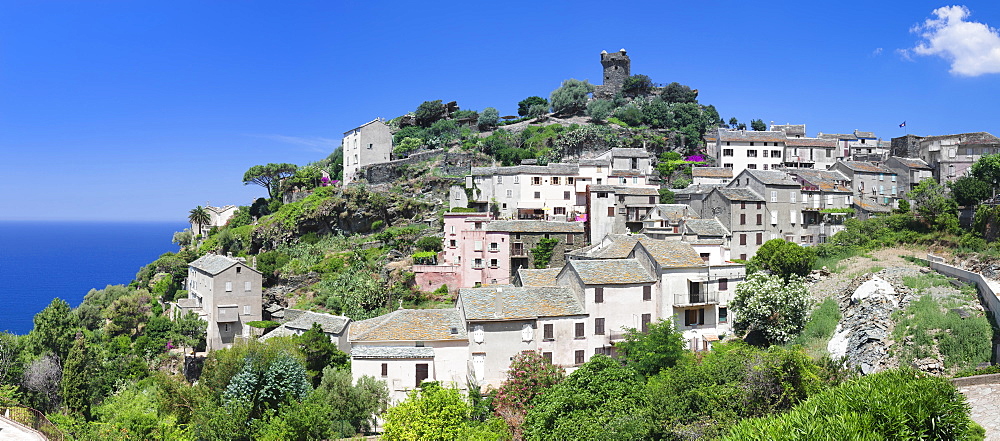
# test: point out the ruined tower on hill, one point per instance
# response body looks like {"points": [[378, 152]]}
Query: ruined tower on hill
{"points": [[617, 68]]}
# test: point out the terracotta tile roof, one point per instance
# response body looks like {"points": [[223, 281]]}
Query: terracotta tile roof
{"points": [[509, 302], [739, 194], [535, 226], [538, 277], [913, 163], [411, 325], [672, 253], [611, 272], [711, 172], [391, 352], [867, 167], [811, 142], [772, 177], [750, 135], [706, 227]]}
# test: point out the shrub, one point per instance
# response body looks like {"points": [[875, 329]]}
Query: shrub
{"points": [[571, 97], [488, 119], [768, 307], [524, 106], [429, 243]]}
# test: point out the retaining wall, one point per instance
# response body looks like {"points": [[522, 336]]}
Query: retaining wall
{"points": [[988, 289]]}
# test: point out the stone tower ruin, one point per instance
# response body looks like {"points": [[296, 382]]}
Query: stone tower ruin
{"points": [[616, 69]]}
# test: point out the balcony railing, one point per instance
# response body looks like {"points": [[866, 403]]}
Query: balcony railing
{"points": [[696, 298]]}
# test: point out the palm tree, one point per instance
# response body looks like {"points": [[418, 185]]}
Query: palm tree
{"points": [[199, 216]]}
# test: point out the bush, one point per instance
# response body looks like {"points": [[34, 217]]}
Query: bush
{"points": [[571, 97], [599, 110], [525, 105], [489, 119], [429, 112], [429, 243]]}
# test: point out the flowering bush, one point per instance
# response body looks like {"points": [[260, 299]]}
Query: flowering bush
{"points": [[529, 376], [771, 308]]}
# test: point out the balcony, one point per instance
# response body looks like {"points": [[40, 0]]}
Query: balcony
{"points": [[517, 250], [696, 298]]}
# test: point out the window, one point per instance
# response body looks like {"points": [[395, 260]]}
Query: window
{"points": [[246, 309], [555, 180], [765, 166], [760, 238], [547, 356], [569, 181], [385, 369], [624, 181], [566, 195], [599, 295], [611, 211], [764, 152], [517, 179], [225, 327], [774, 196], [478, 334], [538, 195], [727, 152], [760, 205], [493, 263], [893, 178], [751, 144], [536, 180], [743, 219], [477, 245], [723, 315], [693, 317], [646, 318], [743, 205], [791, 216], [760, 218], [494, 246], [743, 241], [723, 284], [598, 326], [881, 177], [527, 332], [774, 218], [478, 263], [728, 165], [246, 286], [602, 194], [791, 197], [452, 229], [499, 179], [743, 256], [229, 286], [451, 243], [578, 357], [752, 166], [569, 239], [751, 153], [580, 330], [776, 153], [647, 292], [510, 193], [238, 270], [547, 333], [705, 256], [421, 373]]}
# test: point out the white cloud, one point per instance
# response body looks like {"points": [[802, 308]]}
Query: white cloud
{"points": [[315, 143], [972, 48], [877, 52]]}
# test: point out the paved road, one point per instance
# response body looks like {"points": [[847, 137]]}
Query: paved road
{"points": [[13, 432], [985, 402]]}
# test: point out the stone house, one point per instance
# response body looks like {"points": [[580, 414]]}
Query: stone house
{"points": [[950, 156], [909, 172], [825, 195], [226, 292], [741, 211], [876, 183], [523, 236], [369, 143], [694, 195], [334, 326], [408, 346], [664, 221], [616, 209], [711, 175]]}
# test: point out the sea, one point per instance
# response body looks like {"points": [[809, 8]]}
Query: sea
{"points": [[40, 261]]}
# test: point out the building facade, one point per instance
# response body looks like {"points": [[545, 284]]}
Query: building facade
{"points": [[226, 293], [370, 143]]}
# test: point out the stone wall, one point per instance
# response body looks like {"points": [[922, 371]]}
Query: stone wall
{"points": [[987, 288], [452, 164]]}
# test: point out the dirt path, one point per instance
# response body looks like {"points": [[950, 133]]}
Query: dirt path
{"points": [[858, 265]]}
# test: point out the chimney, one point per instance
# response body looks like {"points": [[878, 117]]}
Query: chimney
{"points": [[498, 302]]}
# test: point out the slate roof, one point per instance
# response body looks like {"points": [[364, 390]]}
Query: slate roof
{"points": [[837, 136], [391, 352], [637, 191], [376, 120], [538, 277], [672, 212], [867, 167], [823, 179], [550, 169], [509, 302], [740, 194], [672, 253], [215, 263], [870, 207], [608, 188], [964, 138], [913, 163], [331, 324], [772, 177], [535, 226], [611, 272], [866, 135], [811, 142], [711, 172], [629, 153], [790, 129], [750, 135], [410, 325], [697, 189], [613, 246], [595, 162], [706, 227]]}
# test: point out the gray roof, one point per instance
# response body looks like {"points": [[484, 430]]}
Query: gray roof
{"points": [[641, 191], [630, 153], [866, 135], [772, 177], [740, 194], [672, 212], [866, 167], [824, 180], [595, 162], [790, 129], [391, 352], [671, 253], [837, 136], [534, 226], [411, 325], [712, 172], [750, 135], [538, 277], [611, 272], [811, 142], [706, 227], [697, 189], [608, 188], [521, 302], [911, 163], [551, 169], [214, 263], [331, 324], [612, 246]]}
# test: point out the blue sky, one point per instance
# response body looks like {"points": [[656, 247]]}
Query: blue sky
{"points": [[124, 110]]}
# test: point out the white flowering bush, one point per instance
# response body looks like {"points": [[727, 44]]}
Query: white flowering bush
{"points": [[768, 305]]}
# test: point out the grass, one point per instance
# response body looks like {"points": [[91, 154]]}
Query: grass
{"points": [[820, 327], [963, 343], [925, 281], [832, 263]]}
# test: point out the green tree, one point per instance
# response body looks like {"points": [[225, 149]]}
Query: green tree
{"points": [[524, 106], [736, 124], [358, 404], [600, 400], [200, 217], [784, 258], [970, 190], [268, 385], [183, 238], [432, 413], [600, 110], [571, 97], [528, 376], [678, 93], [758, 125], [770, 310], [126, 314], [538, 110], [637, 85], [320, 352], [542, 253], [488, 119], [934, 207], [76, 378], [666, 196], [429, 112], [54, 329], [650, 352], [444, 131], [269, 176], [987, 169]]}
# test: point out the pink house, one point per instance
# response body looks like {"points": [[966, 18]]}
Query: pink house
{"points": [[471, 255]]}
